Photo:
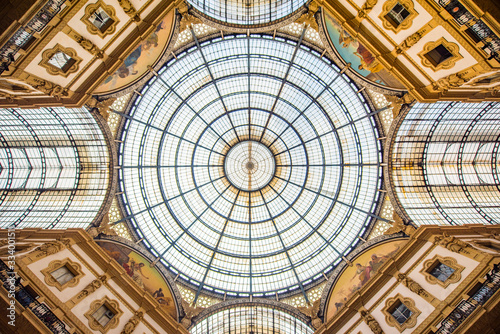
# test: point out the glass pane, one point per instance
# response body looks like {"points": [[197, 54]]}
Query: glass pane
{"points": [[62, 275]]}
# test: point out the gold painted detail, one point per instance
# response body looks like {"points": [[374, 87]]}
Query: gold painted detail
{"points": [[84, 43], [399, 226], [111, 305], [398, 102], [132, 323], [71, 65], [187, 20], [443, 64], [458, 246], [371, 322], [405, 23], [46, 87], [366, 8], [417, 288], [455, 80], [103, 228], [189, 312], [430, 264], [108, 27], [74, 268], [103, 106], [392, 303], [312, 312], [308, 19], [129, 9], [46, 249]]}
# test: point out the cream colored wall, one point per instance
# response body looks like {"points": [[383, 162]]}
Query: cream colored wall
{"points": [[69, 292], [435, 289]]}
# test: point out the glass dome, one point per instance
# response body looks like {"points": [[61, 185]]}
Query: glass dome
{"points": [[247, 12], [250, 165]]}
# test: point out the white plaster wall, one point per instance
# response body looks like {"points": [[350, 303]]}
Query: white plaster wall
{"points": [[65, 41], [380, 293], [418, 22], [433, 36], [69, 292], [420, 303], [435, 289], [362, 327], [88, 259], [425, 247], [378, 35]]}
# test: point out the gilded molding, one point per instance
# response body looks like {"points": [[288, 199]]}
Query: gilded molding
{"points": [[89, 289], [129, 9], [187, 19], [455, 277], [371, 322], [46, 249], [458, 246], [112, 305], [406, 23], [53, 70], [91, 28], [417, 288], [391, 303], [132, 323], [84, 43], [312, 312], [309, 19], [453, 48], [73, 267]]}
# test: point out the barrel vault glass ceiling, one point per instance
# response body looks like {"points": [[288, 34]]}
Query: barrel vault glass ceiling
{"points": [[250, 165]]}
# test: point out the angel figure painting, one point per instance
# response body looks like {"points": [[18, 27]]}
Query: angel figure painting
{"points": [[361, 59], [354, 278], [139, 270]]}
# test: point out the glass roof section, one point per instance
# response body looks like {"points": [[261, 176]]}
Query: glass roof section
{"points": [[230, 227], [247, 12], [251, 319]]}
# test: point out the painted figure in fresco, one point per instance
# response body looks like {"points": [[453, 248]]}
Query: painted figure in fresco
{"points": [[377, 261], [363, 273], [367, 60], [134, 270]]}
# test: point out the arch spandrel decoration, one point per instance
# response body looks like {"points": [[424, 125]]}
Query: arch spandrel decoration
{"points": [[150, 53], [365, 264], [159, 284], [347, 49]]}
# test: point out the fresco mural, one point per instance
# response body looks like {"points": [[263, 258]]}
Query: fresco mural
{"points": [[147, 53], [149, 279], [354, 278], [362, 61]]}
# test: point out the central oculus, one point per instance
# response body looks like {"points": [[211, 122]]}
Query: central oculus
{"points": [[249, 165]]}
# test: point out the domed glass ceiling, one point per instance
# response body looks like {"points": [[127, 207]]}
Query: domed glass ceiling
{"points": [[250, 165], [247, 12]]}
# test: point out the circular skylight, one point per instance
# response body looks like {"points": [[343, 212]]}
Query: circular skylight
{"points": [[250, 165], [247, 12]]}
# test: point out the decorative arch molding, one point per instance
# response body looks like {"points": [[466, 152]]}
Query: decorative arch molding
{"points": [[113, 172], [344, 264], [236, 28], [157, 265], [247, 302]]}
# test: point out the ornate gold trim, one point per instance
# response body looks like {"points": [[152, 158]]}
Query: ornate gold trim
{"points": [[73, 267], [90, 9], [450, 262], [51, 69], [453, 48], [112, 305], [392, 303], [406, 23]]}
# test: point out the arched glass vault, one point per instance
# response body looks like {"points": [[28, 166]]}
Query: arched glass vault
{"points": [[250, 165], [247, 12]]}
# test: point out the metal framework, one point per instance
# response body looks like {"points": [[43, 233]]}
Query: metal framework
{"points": [[241, 241], [444, 163], [247, 12], [251, 319], [54, 168]]}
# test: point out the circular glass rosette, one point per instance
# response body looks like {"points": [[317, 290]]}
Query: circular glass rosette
{"points": [[250, 165]]}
